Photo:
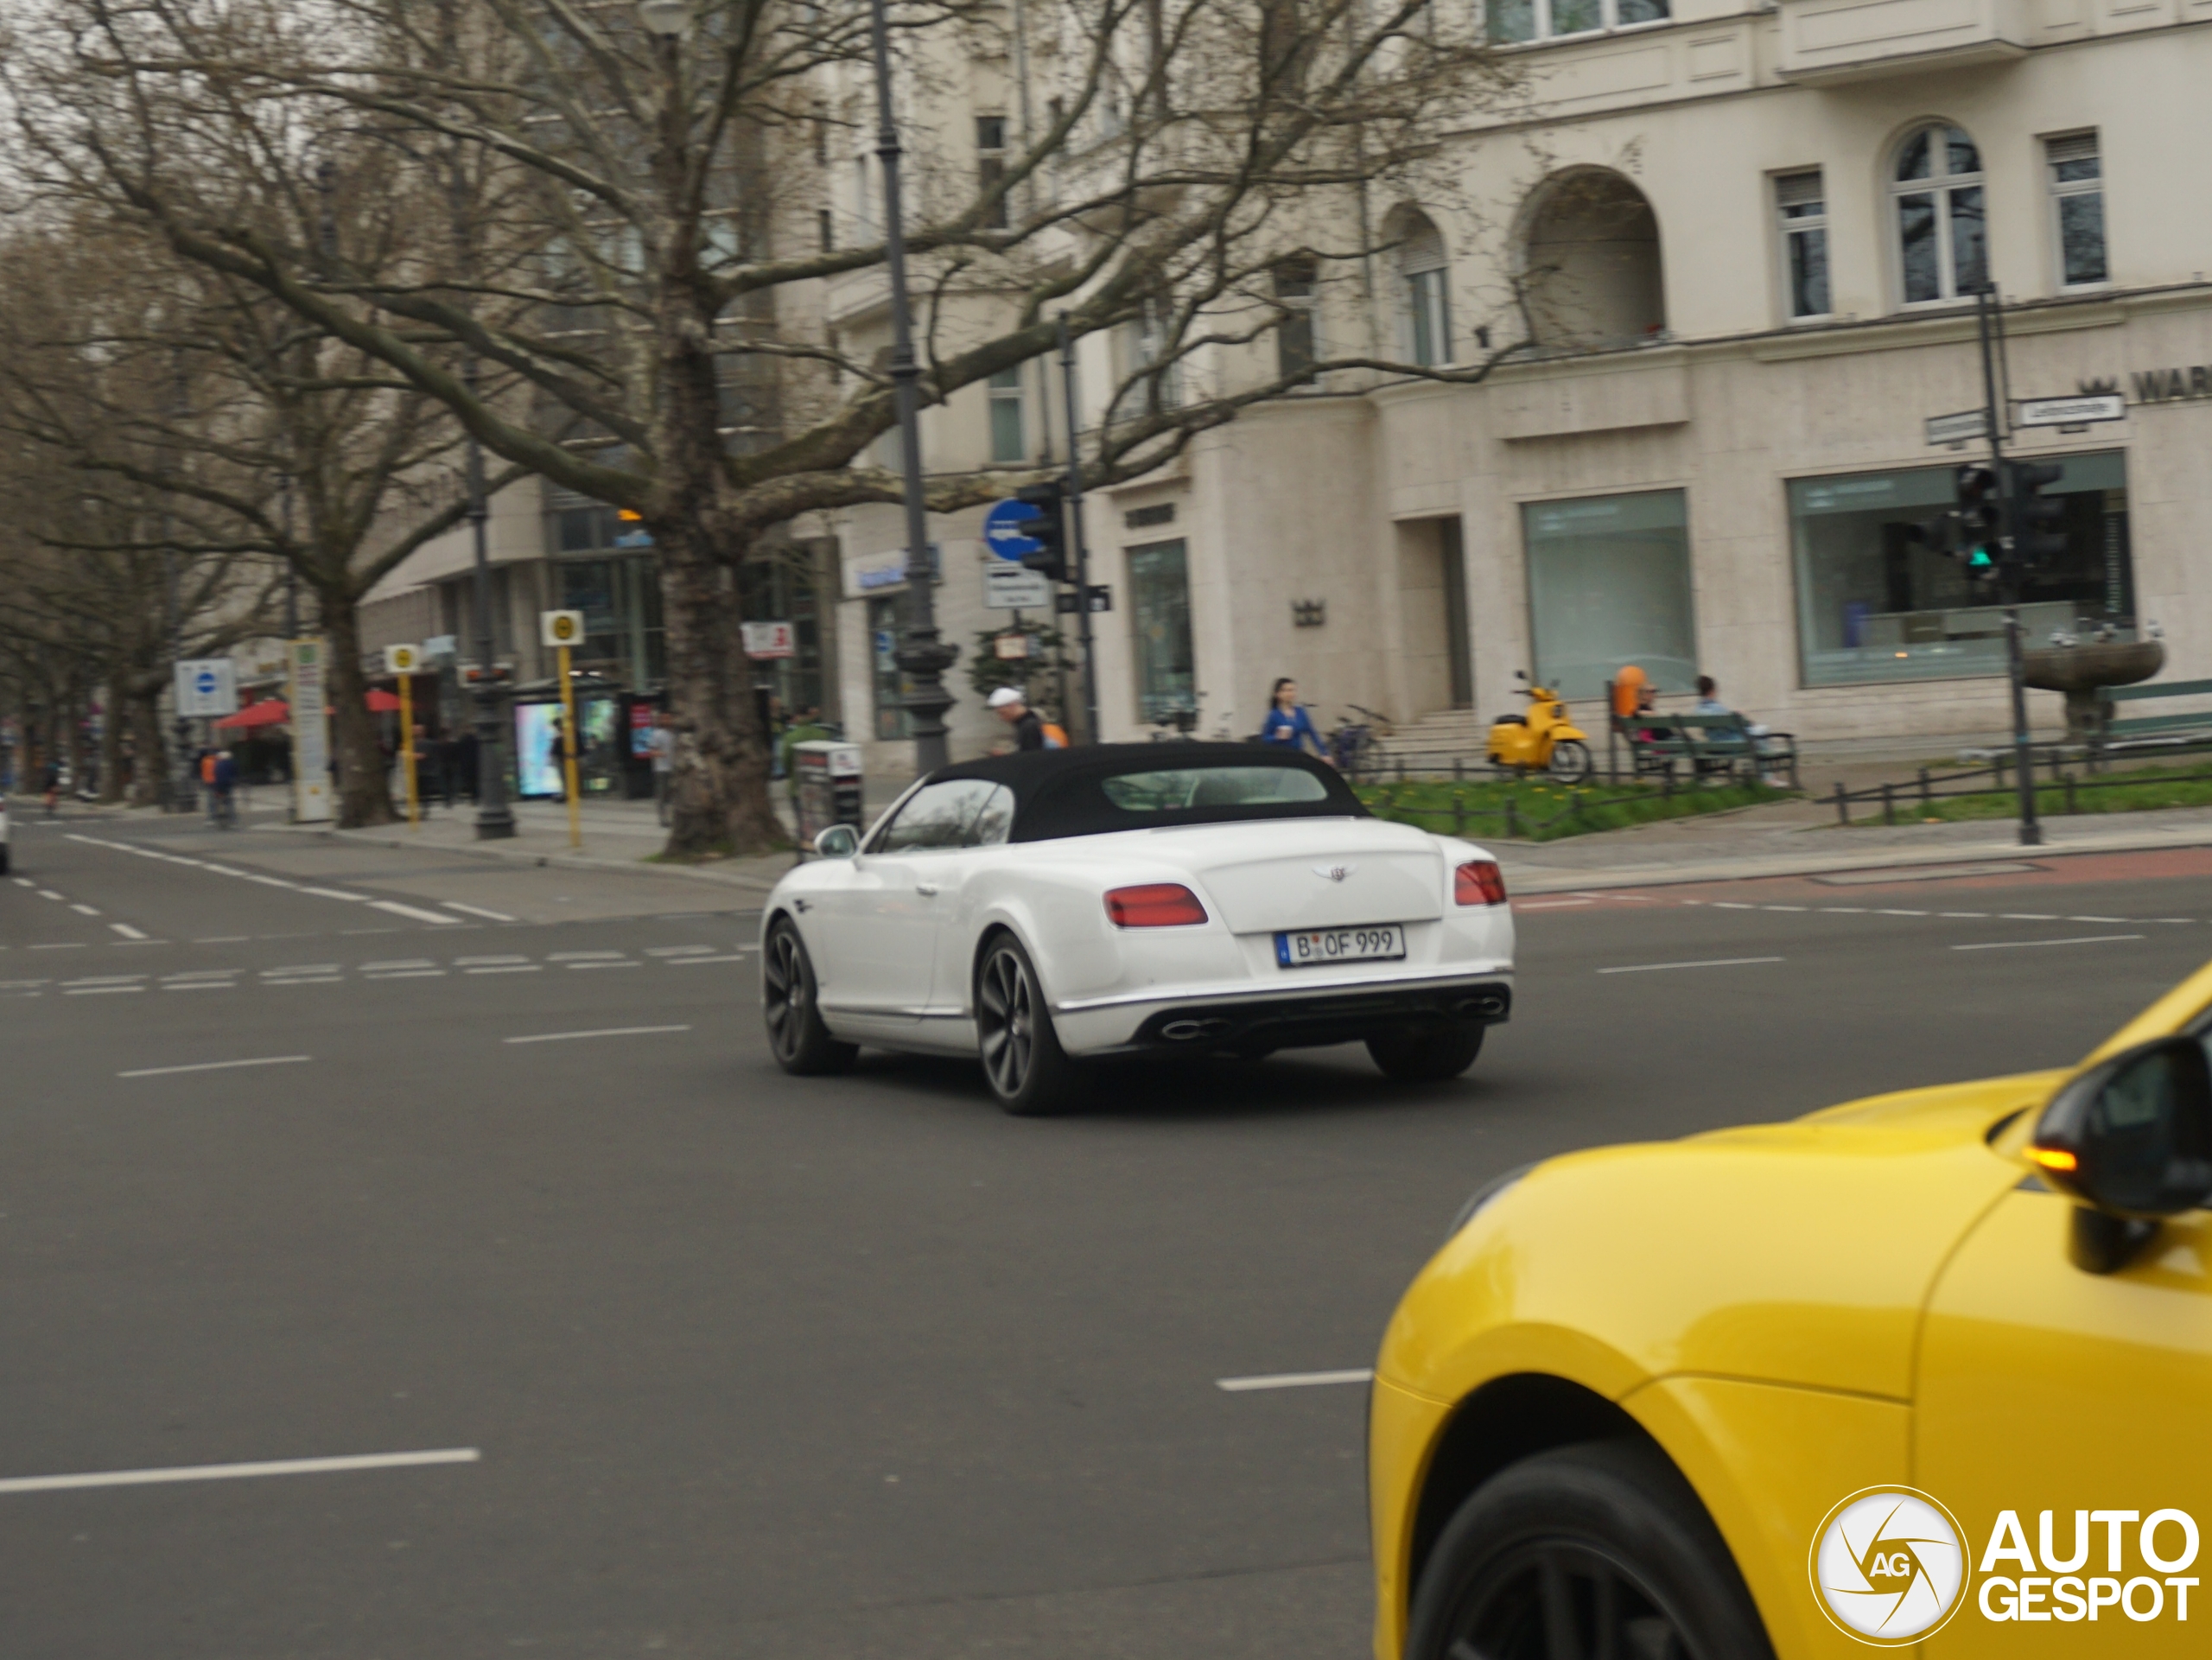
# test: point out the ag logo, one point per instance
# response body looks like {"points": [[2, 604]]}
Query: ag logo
{"points": [[561, 627], [1888, 1566]]}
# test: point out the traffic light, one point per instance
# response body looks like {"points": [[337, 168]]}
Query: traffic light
{"points": [[1979, 512], [1049, 532], [2037, 537]]}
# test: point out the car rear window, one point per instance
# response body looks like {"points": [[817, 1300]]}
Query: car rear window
{"points": [[1177, 789]]}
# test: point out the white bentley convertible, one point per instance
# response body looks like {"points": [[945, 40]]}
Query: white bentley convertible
{"points": [[1047, 910]]}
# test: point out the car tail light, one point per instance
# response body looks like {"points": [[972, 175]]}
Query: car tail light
{"points": [[1155, 904], [1478, 882]]}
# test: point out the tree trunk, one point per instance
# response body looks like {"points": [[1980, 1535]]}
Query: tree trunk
{"points": [[719, 790], [111, 718], [363, 789], [149, 770]]}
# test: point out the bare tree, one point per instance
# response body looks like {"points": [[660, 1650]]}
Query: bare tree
{"points": [[657, 238]]}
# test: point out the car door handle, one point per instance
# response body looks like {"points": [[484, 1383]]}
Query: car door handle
{"points": [[925, 887]]}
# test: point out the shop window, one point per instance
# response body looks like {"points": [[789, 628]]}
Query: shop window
{"points": [[1803, 206], [990, 166], [1592, 271], [1007, 439], [1875, 603], [1160, 612], [889, 685], [1609, 584], [1511, 21], [1942, 226], [1424, 285], [2077, 193]]}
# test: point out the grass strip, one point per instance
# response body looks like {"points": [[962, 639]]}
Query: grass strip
{"points": [[1543, 811]]}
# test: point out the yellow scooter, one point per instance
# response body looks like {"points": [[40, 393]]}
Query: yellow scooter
{"points": [[1542, 740]]}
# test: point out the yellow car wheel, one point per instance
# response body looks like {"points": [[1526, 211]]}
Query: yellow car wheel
{"points": [[1596, 1549]]}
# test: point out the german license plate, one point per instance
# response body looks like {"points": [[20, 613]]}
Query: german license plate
{"points": [[1314, 948]]}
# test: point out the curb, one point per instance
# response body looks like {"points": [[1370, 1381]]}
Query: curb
{"points": [[524, 856], [1749, 869]]}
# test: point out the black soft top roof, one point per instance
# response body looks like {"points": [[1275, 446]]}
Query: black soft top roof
{"points": [[1057, 793]]}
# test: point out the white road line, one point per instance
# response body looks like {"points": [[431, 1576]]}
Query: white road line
{"points": [[218, 1065], [1977, 916], [397, 963], [1295, 1380], [272, 881], [236, 1472], [221, 870], [291, 969], [398, 909], [686, 962], [126, 931], [48, 893], [1715, 963], [1900, 913], [2028, 916], [410, 974], [223, 939], [105, 980], [476, 910], [1782, 907], [87, 911], [333, 893], [606, 965], [1551, 905], [203, 985], [22, 881], [677, 950], [2015, 945], [515, 967], [306, 980], [2101, 918], [58, 945], [474, 962], [97, 991], [1732, 905], [1843, 910], [584, 956], [603, 1031]]}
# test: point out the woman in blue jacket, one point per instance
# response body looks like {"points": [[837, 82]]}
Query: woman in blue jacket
{"points": [[1289, 724]]}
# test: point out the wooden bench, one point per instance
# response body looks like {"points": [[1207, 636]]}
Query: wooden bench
{"points": [[2142, 726], [1709, 743]]}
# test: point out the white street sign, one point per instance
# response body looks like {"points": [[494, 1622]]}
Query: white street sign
{"points": [[561, 627], [311, 802], [1016, 587], [2070, 411], [1962, 428], [207, 688], [764, 641], [402, 659]]}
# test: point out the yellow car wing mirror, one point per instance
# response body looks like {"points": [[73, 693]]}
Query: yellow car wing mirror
{"points": [[2131, 1139]]}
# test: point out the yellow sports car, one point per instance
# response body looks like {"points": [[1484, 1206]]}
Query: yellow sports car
{"points": [[1932, 1369]]}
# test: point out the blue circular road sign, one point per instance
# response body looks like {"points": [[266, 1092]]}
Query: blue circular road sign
{"points": [[203, 683], [1002, 529]]}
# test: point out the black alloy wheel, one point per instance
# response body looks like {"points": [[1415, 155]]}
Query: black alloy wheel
{"points": [[1596, 1552], [797, 1036], [1028, 1071], [1429, 1056]]}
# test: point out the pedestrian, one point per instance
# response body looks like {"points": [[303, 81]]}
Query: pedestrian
{"points": [[661, 746], [52, 786], [464, 751], [556, 756], [1287, 722], [224, 781], [1708, 703], [208, 784], [441, 769], [1008, 704]]}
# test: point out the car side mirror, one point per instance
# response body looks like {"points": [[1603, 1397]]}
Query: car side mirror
{"points": [[2131, 1139], [837, 841]]}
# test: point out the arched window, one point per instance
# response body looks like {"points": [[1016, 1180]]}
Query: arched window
{"points": [[1426, 276], [1942, 226], [1593, 278]]}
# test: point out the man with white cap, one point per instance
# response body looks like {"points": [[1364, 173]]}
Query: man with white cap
{"points": [[1028, 726]]}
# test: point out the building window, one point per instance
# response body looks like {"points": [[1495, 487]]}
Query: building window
{"points": [[1609, 584], [1295, 283], [2078, 189], [990, 165], [1426, 275], [864, 206], [889, 685], [1874, 602], [1150, 370], [1804, 210], [1006, 436], [1594, 276], [825, 225], [1511, 21], [1942, 221], [1159, 615]]}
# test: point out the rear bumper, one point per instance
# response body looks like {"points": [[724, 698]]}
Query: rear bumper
{"points": [[1288, 1019]]}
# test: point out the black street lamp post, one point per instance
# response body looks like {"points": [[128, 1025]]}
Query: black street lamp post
{"points": [[922, 657], [495, 820]]}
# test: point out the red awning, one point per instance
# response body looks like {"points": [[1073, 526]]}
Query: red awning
{"points": [[382, 702], [268, 712]]}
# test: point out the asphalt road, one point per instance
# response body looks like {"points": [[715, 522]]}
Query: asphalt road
{"points": [[800, 1367]]}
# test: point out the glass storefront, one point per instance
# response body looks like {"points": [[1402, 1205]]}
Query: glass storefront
{"points": [[786, 588], [1609, 584], [889, 685], [1874, 604], [1159, 608]]}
